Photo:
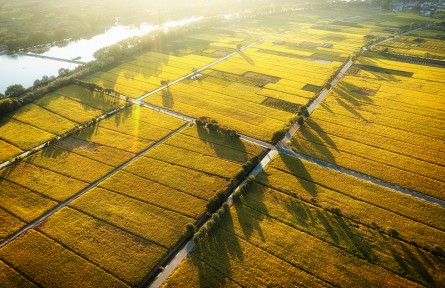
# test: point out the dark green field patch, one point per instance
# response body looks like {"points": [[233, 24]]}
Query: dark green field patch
{"points": [[249, 78], [280, 104], [280, 53], [334, 38], [385, 71], [312, 88], [329, 56]]}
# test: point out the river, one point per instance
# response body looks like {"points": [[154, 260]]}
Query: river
{"points": [[24, 69]]}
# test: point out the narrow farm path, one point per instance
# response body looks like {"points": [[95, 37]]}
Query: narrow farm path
{"points": [[63, 204]]}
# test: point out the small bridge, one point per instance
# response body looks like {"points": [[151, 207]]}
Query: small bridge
{"points": [[52, 58]]}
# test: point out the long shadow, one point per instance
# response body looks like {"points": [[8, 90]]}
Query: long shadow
{"points": [[316, 148], [248, 219], [361, 245], [325, 106], [247, 58], [354, 93], [221, 143], [220, 245], [317, 128], [418, 266], [296, 167], [87, 133], [350, 108]]}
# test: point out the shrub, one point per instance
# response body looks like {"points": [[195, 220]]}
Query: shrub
{"points": [[300, 120], [221, 211], [189, 230], [241, 174], [213, 204], [215, 217], [278, 135], [438, 250], [226, 207], [392, 232]]}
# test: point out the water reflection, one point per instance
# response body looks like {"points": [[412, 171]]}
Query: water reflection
{"points": [[15, 69]]}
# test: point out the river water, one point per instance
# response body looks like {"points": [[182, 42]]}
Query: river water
{"points": [[23, 69]]}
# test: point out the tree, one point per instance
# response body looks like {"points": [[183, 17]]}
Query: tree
{"points": [[2, 96], [15, 90], [63, 71], [278, 135], [300, 120], [189, 230]]}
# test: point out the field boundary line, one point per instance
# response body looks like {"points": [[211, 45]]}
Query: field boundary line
{"points": [[365, 177], [61, 205]]}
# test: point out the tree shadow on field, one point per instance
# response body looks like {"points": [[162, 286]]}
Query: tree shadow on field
{"points": [[247, 58], [216, 252], [309, 143], [319, 130], [297, 168], [350, 108], [325, 106], [416, 266], [224, 147], [123, 115], [248, 218], [354, 94], [352, 234]]}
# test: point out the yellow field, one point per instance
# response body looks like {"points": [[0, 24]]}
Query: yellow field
{"points": [[9, 224], [43, 119], [380, 122], [22, 202], [146, 72], [11, 278], [22, 135], [76, 103], [283, 230], [49, 264], [8, 151], [154, 193], [366, 202], [155, 224], [54, 185], [124, 255], [69, 164]]}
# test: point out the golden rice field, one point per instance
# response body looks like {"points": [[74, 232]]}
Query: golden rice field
{"points": [[60, 171], [48, 117], [299, 224], [123, 227], [305, 244], [422, 43], [383, 123], [237, 92]]}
